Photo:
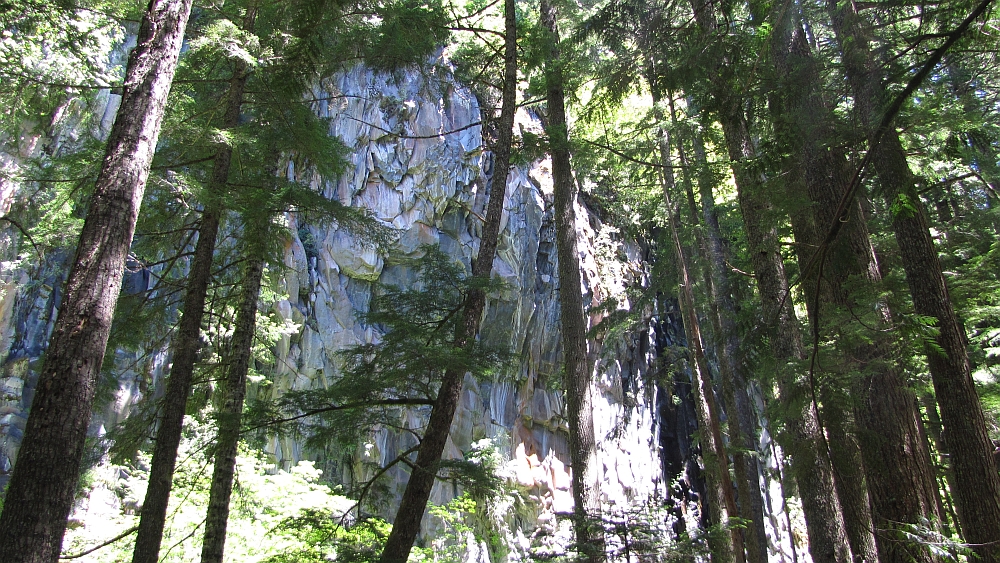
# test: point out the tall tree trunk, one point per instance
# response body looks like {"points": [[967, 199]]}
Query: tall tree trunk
{"points": [[40, 493], [804, 440], [742, 423], [406, 525], [720, 486], [934, 430], [849, 469], [188, 340], [721, 502], [805, 443], [230, 415], [978, 483], [579, 409], [900, 479]]}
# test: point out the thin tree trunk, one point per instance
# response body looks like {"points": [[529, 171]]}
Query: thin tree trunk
{"points": [[742, 424], [230, 416], [41, 489], [411, 509], [188, 340], [720, 486], [721, 502], [977, 493], [934, 430], [579, 409]]}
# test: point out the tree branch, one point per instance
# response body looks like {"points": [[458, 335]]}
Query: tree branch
{"points": [[348, 406], [23, 232], [124, 534], [402, 136]]}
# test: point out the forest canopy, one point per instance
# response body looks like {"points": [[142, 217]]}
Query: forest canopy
{"points": [[361, 270]]}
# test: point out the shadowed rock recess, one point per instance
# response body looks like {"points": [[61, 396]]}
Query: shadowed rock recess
{"points": [[417, 161]]}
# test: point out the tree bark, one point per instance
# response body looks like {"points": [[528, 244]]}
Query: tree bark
{"points": [[230, 415], [804, 440], [977, 494], [187, 343], [933, 426], [899, 476], [579, 409], [411, 509], [41, 490], [849, 469], [721, 502]]}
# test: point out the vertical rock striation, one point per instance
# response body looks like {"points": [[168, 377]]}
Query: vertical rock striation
{"points": [[418, 162]]}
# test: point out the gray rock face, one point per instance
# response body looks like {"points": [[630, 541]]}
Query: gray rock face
{"points": [[417, 161]]}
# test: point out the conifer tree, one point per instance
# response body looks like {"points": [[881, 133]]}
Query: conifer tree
{"points": [[305, 33], [977, 478], [40, 494], [897, 464], [264, 197], [638, 35], [579, 402], [406, 525], [734, 385], [230, 415], [812, 466], [187, 342], [722, 313], [721, 502]]}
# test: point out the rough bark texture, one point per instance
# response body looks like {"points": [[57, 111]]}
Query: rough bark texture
{"points": [[945, 474], [40, 493], [579, 412], [187, 343], [977, 494], [899, 476], [852, 490], [406, 525], [230, 415], [804, 439]]}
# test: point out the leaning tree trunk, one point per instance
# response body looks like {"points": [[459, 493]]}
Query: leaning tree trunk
{"points": [[978, 483], [742, 424], [230, 415], [804, 439], [188, 340], [406, 525], [721, 502], [579, 408], [897, 464], [41, 489]]}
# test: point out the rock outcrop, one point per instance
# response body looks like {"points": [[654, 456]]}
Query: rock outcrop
{"points": [[417, 161]]}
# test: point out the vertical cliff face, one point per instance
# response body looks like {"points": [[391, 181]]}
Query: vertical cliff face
{"points": [[417, 161]]}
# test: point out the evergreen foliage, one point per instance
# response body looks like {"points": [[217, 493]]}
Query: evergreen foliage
{"points": [[402, 367], [655, 93]]}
